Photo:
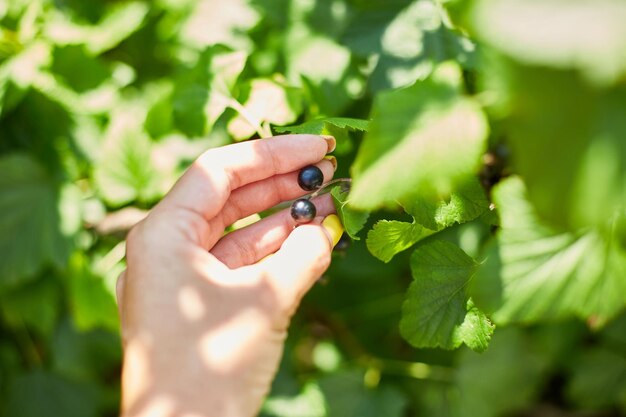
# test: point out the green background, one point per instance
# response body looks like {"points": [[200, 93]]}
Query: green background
{"points": [[496, 146]]}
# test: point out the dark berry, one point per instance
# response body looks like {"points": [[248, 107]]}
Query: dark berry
{"points": [[303, 210], [310, 178], [344, 242]]}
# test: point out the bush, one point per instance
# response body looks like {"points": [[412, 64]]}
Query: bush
{"points": [[485, 142]]}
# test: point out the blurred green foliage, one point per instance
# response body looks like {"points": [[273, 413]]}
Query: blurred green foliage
{"points": [[488, 135]]}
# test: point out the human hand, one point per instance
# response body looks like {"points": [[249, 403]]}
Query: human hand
{"points": [[204, 315]]}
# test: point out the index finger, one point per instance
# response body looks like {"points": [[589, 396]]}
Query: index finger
{"points": [[207, 184]]}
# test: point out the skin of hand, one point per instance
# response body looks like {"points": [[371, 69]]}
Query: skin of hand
{"points": [[204, 314]]}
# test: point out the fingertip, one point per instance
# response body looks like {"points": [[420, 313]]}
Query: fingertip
{"points": [[333, 228]]}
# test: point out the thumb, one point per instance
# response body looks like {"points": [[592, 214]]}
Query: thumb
{"points": [[303, 258]]}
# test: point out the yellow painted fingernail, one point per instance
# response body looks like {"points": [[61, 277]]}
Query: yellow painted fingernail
{"points": [[332, 160], [333, 226], [331, 142]]}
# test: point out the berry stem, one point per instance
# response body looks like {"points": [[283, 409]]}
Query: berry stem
{"points": [[324, 187]]}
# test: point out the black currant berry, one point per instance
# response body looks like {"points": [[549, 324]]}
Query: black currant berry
{"points": [[344, 243], [303, 210], [310, 178]]}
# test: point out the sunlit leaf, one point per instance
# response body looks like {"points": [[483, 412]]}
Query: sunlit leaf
{"points": [[124, 172], [388, 238], [437, 311], [407, 40], [533, 271], [423, 140], [566, 140], [586, 34], [309, 403], [120, 22], [323, 126], [203, 92], [228, 21], [265, 101], [466, 203]]}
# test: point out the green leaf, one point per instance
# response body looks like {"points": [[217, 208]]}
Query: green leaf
{"points": [[549, 113], [120, 21], [338, 127], [322, 126], [125, 172], [466, 203], [36, 305], [92, 304], [229, 22], [557, 38], [78, 69], [533, 271], [203, 91], [423, 140], [265, 101], [327, 79], [346, 395], [40, 393], [437, 311], [35, 229], [407, 39], [388, 238], [510, 373], [309, 403], [352, 220]]}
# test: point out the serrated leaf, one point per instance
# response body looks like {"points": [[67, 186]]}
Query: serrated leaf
{"points": [[352, 220], [338, 127], [34, 229], [466, 203], [437, 311], [533, 271], [388, 238], [556, 38], [423, 140], [322, 126]]}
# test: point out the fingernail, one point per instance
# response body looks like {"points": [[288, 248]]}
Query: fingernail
{"points": [[333, 226], [331, 142], [332, 160]]}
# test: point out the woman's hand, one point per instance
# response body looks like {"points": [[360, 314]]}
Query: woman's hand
{"points": [[204, 315]]}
